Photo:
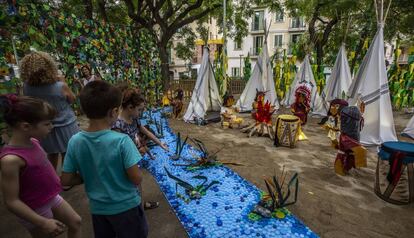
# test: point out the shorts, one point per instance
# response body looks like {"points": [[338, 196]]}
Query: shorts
{"points": [[44, 211], [129, 224]]}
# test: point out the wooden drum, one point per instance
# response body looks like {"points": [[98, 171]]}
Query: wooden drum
{"points": [[287, 130]]}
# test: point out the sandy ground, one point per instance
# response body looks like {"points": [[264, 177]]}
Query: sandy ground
{"points": [[331, 205]]}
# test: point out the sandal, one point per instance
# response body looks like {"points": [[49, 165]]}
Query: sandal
{"points": [[151, 205], [67, 188]]}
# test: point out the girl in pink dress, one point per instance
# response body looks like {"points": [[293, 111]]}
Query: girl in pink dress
{"points": [[29, 182]]}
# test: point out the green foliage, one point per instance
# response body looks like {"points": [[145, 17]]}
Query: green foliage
{"points": [[110, 49], [401, 84], [247, 70], [186, 44]]}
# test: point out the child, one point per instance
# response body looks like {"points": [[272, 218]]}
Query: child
{"points": [[132, 105], [41, 80], [178, 103], [29, 182], [107, 161]]}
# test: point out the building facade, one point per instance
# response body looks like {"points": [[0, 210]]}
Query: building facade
{"points": [[185, 69], [283, 32]]}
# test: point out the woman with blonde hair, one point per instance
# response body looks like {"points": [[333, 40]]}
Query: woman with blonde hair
{"points": [[42, 80]]}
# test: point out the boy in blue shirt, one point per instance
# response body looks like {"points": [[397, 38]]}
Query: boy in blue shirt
{"points": [[106, 161]]}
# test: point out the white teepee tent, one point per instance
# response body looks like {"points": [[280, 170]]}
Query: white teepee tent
{"points": [[340, 79], [305, 76], [370, 86], [205, 95], [261, 80], [409, 130]]}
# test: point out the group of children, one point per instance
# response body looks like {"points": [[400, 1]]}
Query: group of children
{"points": [[104, 157]]}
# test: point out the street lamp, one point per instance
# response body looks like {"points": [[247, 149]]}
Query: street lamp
{"points": [[240, 73]]}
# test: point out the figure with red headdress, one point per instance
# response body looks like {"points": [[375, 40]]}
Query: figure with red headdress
{"points": [[301, 106]]}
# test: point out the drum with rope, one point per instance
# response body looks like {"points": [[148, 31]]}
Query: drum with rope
{"points": [[287, 130]]}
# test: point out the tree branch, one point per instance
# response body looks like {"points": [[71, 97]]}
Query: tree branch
{"points": [[187, 11], [320, 19], [177, 25], [328, 29]]}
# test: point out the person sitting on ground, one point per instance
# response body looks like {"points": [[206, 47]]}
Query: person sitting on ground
{"points": [[227, 112], [127, 123], [41, 80], [107, 162], [29, 182], [178, 103]]}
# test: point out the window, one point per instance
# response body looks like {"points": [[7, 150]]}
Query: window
{"points": [[257, 44], [258, 21], [237, 45], [235, 72], [280, 16], [295, 38], [278, 42], [297, 22]]}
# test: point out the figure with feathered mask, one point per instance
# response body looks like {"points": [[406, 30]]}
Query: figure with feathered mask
{"points": [[301, 106]]}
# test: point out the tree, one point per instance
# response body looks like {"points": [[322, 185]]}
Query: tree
{"points": [[323, 17], [247, 70], [164, 18]]}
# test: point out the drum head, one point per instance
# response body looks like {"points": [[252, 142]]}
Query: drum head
{"points": [[387, 148], [286, 117]]}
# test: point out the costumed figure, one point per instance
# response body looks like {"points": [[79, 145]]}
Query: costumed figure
{"points": [[262, 114], [177, 103], [260, 96], [351, 154], [228, 117], [301, 108], [332, 123]]}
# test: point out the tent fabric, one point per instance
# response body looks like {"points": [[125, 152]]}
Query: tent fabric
{"points": [[205, 95], [340, 79], [305, 76], [370, 86], [409, 130], [261, 80]]}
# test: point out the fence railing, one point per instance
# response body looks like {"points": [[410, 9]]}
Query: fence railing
{"points": [[187, 85]]}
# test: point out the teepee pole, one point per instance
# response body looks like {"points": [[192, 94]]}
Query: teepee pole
{"points": [[347, 28], [382, 11], [376, 11], [386, 13]]}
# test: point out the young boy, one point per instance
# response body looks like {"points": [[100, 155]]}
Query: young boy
{"points": [[106, 161]]}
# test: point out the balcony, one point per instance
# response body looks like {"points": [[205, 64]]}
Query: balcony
{"points": [[257, 28], [297, 24], [254, 52]]}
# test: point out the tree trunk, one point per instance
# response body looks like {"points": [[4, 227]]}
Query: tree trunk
{"points": [[88, 8], [102, 9], [319, 56], [165, 70]]}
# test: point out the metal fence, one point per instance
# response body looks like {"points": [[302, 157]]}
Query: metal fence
{"points": [[187, 85]]}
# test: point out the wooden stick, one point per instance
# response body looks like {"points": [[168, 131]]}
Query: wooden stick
{"points": [[386, 13]]}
